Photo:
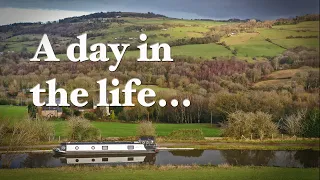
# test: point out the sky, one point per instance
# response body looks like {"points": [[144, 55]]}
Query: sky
{"points": [[12, 11]]}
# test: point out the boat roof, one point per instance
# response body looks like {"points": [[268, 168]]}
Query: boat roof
{"points": [[79, 143]]}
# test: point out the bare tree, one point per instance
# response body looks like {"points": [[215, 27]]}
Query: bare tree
{"points": [[293, 124]]}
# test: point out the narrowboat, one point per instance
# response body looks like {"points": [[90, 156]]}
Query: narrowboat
{"points": [[144, 145]]}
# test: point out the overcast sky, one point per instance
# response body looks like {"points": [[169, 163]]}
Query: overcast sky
{"points": [[48, 10]]}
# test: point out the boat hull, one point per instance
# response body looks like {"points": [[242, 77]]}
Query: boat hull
{"points": [[104, 148], [86, 153]]}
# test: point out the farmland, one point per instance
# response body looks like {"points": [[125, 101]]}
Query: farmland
{"points": [[247, 44]]}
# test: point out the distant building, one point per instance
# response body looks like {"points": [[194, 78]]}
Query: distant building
{"points": [[50, 111], [56, 111]]}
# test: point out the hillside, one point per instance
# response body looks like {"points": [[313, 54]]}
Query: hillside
{"points": [[221, 66], [195, 38]]}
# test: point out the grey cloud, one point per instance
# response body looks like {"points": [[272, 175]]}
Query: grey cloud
{"points": [[216, 9]]}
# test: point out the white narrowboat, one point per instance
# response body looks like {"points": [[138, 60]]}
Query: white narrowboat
{"points": [[143, 146]]}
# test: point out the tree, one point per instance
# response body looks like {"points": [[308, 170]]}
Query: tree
{"points": [[13, 88], [311, 125], [32, 111], [113, 115], [81, 129], [293, 124], [146, 128], [258, 125]]}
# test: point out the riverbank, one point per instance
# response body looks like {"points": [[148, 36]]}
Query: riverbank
{"points": [[162, 172], [217, 144]]}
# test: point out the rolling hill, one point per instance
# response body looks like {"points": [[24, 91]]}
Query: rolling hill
{"points": [[195, 38]]}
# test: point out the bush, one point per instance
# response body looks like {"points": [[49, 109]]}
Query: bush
{"points": [[76, 112], [186, 134], [146, 128], [28, 132], [66, 111], [90, 116], [3, 130], [81, 129], [259, 125]]}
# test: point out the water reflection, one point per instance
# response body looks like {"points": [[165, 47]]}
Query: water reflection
{"points": [[193, 153], [248, 157], [306, 158], [109, 160]]}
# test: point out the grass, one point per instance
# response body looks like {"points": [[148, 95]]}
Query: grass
{"points": [[231, 146], [202, 51], [13, 113], [273, 83], [284, 74], [281, 78], [163, 172], [110, 129], [116, 129], [254, 44]]}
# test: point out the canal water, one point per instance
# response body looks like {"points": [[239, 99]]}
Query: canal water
{"points": [[298, 159]]}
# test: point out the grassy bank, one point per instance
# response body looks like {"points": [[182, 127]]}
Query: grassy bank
{"points": [[117, 129], [163, 172]]}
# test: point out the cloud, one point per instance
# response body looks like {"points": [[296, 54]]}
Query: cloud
{"points": [[13, 15]]}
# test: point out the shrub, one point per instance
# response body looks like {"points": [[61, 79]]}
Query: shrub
{"points": [[76, 112], [28, 132], [259, 125], [90, 116], [3, 130], [186, 134], [81, 129], [66, 111], [146, 128]]}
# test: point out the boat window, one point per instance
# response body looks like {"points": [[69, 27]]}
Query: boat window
{"points": [[104, 147], [130, 147], [130, 158], [105, 159], [77, 147], [92, 147]]}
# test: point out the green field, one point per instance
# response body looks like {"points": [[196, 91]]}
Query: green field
{"points": [[13, 113], [255, 45], [114, 129], [109, 129], [248, 45], [162, 172]]}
